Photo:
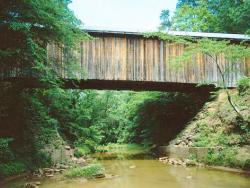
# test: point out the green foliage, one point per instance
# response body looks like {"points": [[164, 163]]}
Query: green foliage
{"points": [[123, 151], [243, 86], [27, 26], [188, 18], [129, 149], [86, 119], [165, 20], [224, 157], [89, 118], [203, 131], [5, 151], [41, 159], [192, 160], [192, 157], [212, 16], [156, 120], [192, 3], [82, 151], [116, 117], [87, 172], [207, 135], [212, 48], [247, 165], [13, 168], [32, 117], [39, 118], [215, 126], [235, 53]]}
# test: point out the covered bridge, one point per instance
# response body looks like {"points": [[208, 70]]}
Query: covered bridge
{"points": [[128, 60]]}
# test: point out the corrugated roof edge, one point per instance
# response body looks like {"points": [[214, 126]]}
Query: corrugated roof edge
{"points": [[180, 33]]}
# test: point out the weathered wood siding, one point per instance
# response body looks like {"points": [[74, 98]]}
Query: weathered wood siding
{"points": [[141, 59], [135, 58]]}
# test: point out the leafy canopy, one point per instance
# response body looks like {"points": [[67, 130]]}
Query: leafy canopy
{"points": [[27, 26], [212, 16], [165, 20]]}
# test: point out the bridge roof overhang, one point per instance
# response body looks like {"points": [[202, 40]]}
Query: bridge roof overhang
{"points": [[219, 36]]}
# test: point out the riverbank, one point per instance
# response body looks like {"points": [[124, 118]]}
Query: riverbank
{"points": [[216, 136], [144, 172], [125, 150], [82, 168], [79, 168], [193, 163]]}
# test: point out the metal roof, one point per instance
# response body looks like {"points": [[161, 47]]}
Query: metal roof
{"points": [[180, 33], [210, 35]]}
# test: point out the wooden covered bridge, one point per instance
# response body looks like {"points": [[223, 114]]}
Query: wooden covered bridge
{"points": [[128, 60]]}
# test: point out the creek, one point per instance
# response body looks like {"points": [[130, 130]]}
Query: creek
{"points": [[146, 172]]}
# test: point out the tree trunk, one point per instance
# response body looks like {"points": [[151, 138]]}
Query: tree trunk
{"points": [[229, 98]]}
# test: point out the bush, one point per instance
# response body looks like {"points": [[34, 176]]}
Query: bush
{"points": [[224, 157], [10, 169], [243, 85], [41, 159], [6, 154], [247, 165], [86, 172], [81, 151]]}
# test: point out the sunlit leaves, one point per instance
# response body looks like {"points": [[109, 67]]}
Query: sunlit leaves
{"points": [[165, 20], [212, 16], [187, 18], [27, 26]]}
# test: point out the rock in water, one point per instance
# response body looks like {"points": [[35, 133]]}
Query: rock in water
{"points": [[30, 185], [99, 176], [38, 183], [163, 159], [49, 175], [67, 147]]}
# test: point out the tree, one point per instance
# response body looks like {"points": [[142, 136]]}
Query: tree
{"points": [[30, 116], [212, 16], [187, 18], [192, 3], [165, 20], [235, 53], [26, 27], [213, 49]]}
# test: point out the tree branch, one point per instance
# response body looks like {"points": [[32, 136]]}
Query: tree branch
{"points": [[229, 98]]}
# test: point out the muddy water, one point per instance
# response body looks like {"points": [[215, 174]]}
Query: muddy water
{"points": [[149, 173]]}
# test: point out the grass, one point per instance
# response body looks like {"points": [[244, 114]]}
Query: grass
{"points": [[12, 168], [225, 157], [81, 151], [217, 126], [87, 172], [122, 151], [130, 149]]}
